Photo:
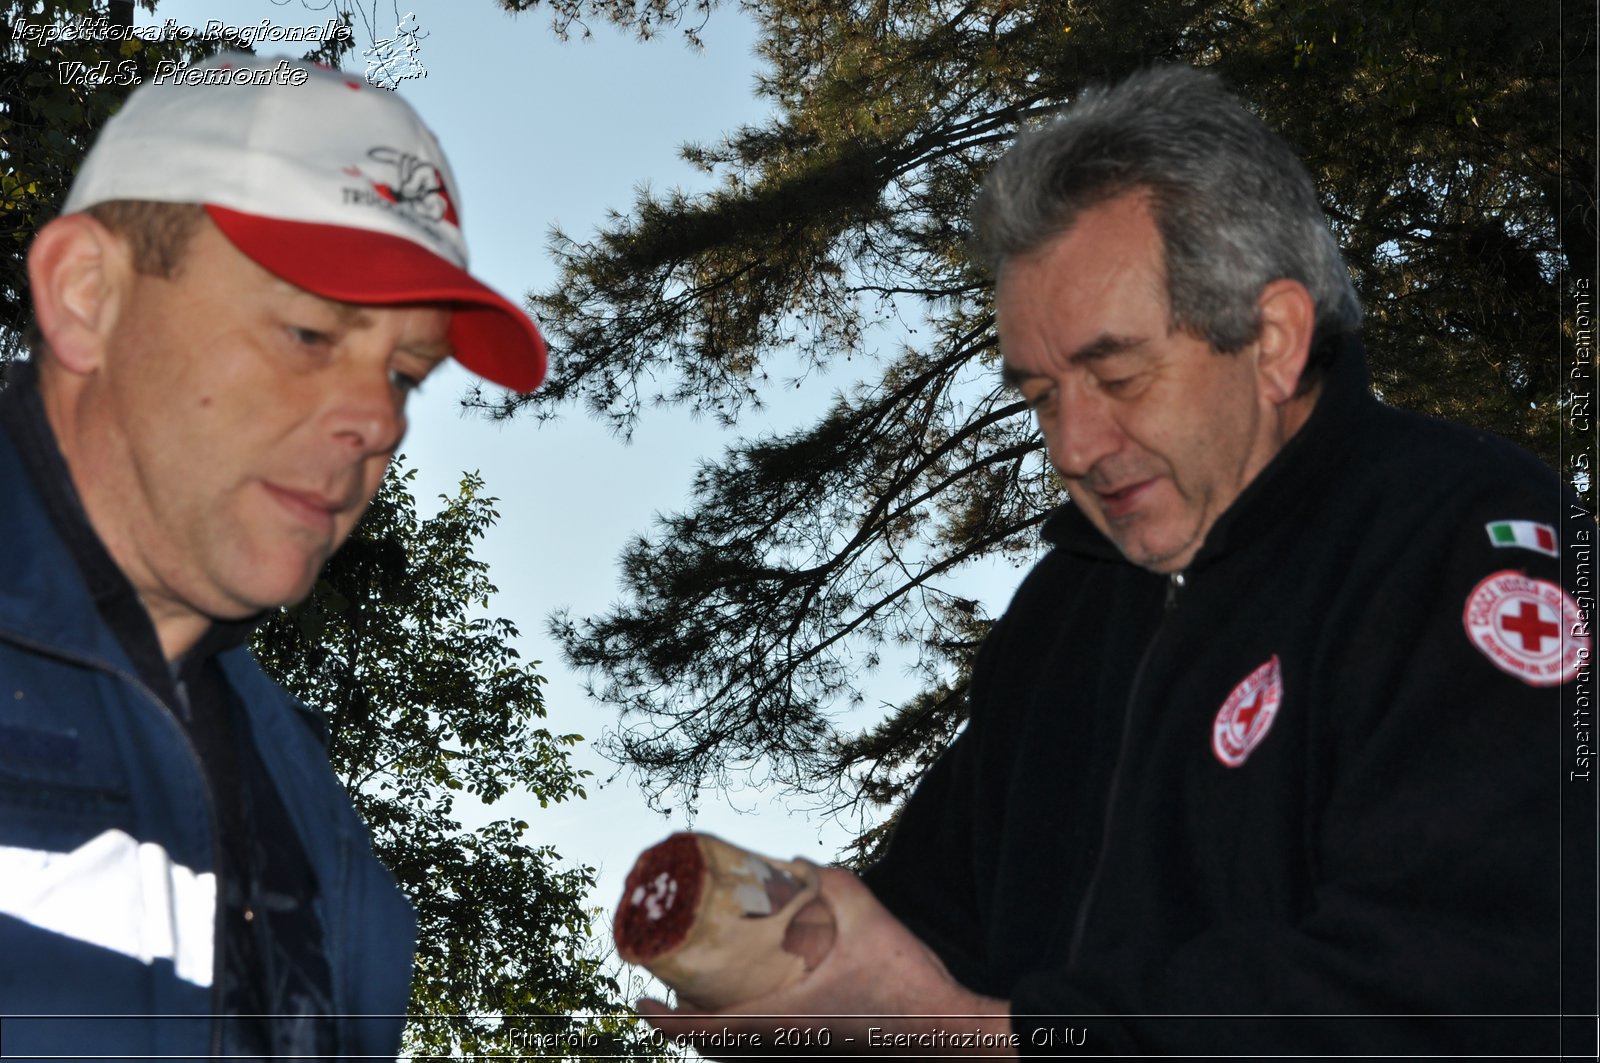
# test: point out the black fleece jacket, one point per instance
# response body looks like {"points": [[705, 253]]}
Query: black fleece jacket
{"points": [[1328, 792]]}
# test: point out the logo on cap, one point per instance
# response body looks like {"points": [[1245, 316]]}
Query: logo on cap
{"points": [[1246, 717], [419, 187], [1529, 628], [415, 189]]}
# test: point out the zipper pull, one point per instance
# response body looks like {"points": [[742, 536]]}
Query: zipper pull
{"points": [[1175, 584]]}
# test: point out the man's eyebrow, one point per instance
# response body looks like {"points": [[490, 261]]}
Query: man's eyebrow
{"points": [[349, 314], [353, 315], [1013, 377], [1103, 347], [438, 351], [1098, 349]]}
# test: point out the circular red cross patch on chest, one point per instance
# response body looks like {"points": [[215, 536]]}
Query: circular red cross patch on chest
{"points": [[1527, 627], [1245, 718]]}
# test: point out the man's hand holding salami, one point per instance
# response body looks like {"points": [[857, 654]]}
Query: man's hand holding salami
{"points": [[785, 958]]}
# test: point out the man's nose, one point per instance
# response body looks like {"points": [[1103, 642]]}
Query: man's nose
{"points": [[367, 410], [1081, 431]]}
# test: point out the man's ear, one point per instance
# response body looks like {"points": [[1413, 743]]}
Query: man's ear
{"points": [[79, 272], [1288, 319]]}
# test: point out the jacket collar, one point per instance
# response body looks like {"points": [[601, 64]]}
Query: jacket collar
{"points": [[1291, 479], [44, 601], [66, 553]]}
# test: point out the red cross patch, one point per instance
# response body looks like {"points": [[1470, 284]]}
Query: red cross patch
{"points": [[1245, 718], [1527, 627]]}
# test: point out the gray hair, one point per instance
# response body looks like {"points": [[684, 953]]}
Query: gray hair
{"points": [[1235, 207]]}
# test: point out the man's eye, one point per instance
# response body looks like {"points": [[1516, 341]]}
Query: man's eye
{"points": [[308, 337], [1037, 398], [403, 382], [1117, 384]]}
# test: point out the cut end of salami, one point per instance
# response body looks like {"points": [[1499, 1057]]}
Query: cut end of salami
{"points": [[660, 899], [712, 920]]}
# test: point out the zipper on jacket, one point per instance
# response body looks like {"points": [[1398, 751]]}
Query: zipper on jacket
{"points": [[218, 930], [211, 812], [1175, 584]]}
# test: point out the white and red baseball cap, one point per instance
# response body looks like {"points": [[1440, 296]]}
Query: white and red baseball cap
{"points": [[328, 182]]}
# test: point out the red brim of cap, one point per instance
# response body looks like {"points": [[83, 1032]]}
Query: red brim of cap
{"points": [[490, 336]]}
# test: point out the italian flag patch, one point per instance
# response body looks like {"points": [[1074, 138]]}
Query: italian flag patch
{"points": [[1524, 533]]}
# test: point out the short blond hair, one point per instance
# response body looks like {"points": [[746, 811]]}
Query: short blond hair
{"points": [[157, 233]]}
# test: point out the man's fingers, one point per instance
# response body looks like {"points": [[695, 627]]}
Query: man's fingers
{"points": [[844, 892], [650, 1006], [810, 933], [681, 1026]]}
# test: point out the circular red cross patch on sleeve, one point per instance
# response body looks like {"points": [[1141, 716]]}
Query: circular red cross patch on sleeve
{"points": [[1527, 627], [1245, 718]]}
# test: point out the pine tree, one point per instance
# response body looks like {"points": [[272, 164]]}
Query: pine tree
{"points": [[427, 700], [1454, 150]]}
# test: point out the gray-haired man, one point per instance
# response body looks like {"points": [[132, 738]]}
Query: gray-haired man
{"points": [[1276, 726]]}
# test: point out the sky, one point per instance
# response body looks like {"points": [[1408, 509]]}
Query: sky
{"points": [[541, 132]]}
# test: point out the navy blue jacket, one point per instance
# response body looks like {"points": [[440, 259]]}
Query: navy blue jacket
{"points": [[1326, 794], [107, 834]]}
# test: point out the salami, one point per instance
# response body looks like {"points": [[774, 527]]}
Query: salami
{"points": [[708, 918]]}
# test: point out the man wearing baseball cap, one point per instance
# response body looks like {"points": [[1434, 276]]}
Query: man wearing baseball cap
{"points": [[249, 276]]}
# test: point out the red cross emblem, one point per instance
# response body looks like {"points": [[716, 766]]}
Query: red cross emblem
{"points": [[1247, 714], [1529, 628], [1531, 625]]}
